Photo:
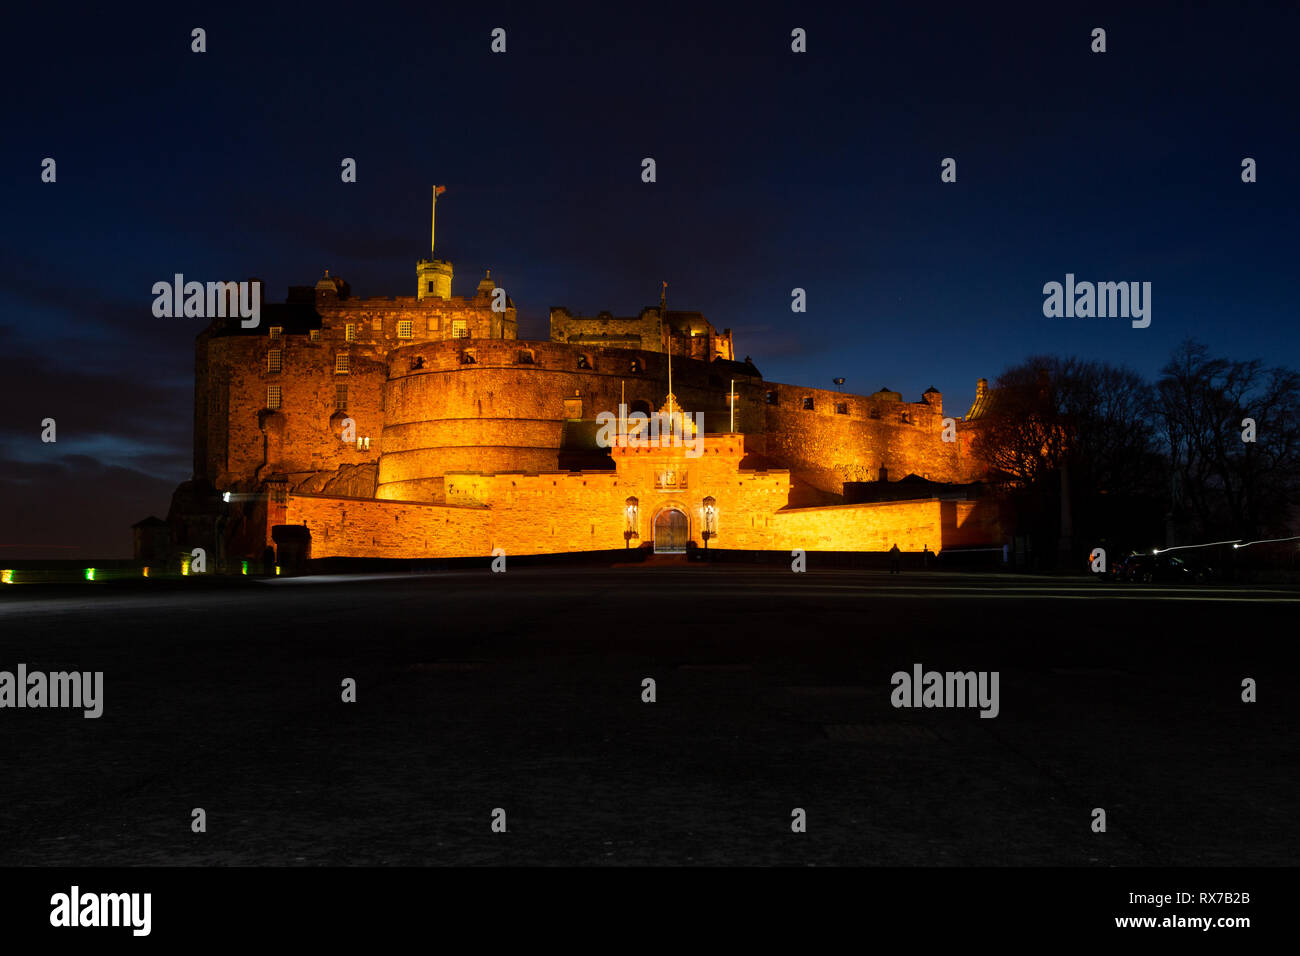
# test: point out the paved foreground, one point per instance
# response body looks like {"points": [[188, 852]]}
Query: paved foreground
{"points": [[523, 691]]}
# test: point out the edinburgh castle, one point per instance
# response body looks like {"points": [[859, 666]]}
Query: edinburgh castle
{"points": [[423, 427]]}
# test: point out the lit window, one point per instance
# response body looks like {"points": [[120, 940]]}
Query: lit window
{"points": [[635, 366], [350, 332], [277, 331], [315, 335], [363, 444], [404, 330], [273, 396], [340, 398], [342, 363], [273, 360], [584, 362], [459, 329]]}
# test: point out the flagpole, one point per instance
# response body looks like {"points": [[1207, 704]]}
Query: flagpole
{"points": [[667, 332], [433, 218]]}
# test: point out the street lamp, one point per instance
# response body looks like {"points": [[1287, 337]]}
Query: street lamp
{"points": [[632, 509], [710, 521], [838, 382]]}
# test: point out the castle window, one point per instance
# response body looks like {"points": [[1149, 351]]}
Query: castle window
{"points": [[467, 357], [771, 398], [273, 360], [525, 357], [404, 329], [273, 396], [342, 363], [363, 444], [459, 329], [350, 332], [433, 324], [875, 413], [430, 286], [584, 362], [417, 363], [277, 331], [807, 403], [841, 408], [905, 418], [314, 335], [636, 367], [340, 398]]}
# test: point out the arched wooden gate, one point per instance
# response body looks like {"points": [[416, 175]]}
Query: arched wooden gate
{"points": [[671, 532]]}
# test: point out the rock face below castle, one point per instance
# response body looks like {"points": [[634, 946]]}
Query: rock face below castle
{"points": [[423, 427]]}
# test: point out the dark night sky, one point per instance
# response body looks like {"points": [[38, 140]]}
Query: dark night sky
{"points": [[775, 170]]}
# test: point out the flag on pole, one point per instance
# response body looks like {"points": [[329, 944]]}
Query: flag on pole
{"points": [[439, 190]]}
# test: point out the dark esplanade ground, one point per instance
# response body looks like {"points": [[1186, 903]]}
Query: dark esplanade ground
{"points": [[523, 691]]}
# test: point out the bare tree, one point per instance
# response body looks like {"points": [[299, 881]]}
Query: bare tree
{"points": [[1232, 486], [1094, 417]]}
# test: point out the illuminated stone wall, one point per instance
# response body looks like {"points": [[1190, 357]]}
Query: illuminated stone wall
{"points": [[509, 409], [246, 442], [554, 512], [693, 335], [912, 525], [358, 527], [826, 447]]}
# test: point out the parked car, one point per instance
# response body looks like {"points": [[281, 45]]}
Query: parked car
{"points": [[1161, 569]]}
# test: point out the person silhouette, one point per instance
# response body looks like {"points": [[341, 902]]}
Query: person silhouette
{"points": [[895, 559]]}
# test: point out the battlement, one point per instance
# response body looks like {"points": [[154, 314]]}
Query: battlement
{"points": [[692, 335]]}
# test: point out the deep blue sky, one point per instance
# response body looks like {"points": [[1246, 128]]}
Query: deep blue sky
{"points": [[775, 170]]}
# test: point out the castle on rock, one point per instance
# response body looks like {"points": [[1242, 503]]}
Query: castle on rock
{"points": [[423, 426]]}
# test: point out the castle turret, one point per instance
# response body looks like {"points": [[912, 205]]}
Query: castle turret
{"points": [[434, 279]]}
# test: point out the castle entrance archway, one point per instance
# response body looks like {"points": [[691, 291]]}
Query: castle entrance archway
{"points": [[671, 532]]}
